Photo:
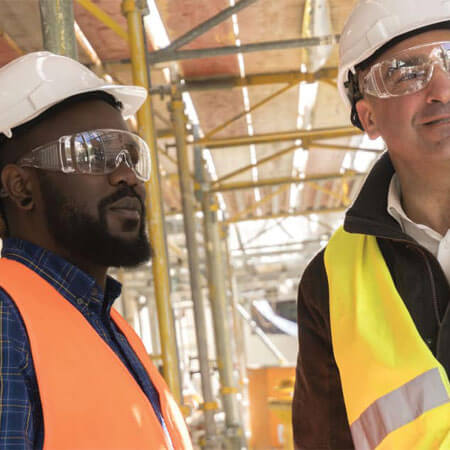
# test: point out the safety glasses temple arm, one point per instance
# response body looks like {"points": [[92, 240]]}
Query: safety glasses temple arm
{"points": [[43, 157]]}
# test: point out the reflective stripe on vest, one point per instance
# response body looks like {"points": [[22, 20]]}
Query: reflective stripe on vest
{"points": [[89, 398], [396, 393]]}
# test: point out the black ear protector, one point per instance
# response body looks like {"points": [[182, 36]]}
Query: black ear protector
{"points": [[355, 95]]}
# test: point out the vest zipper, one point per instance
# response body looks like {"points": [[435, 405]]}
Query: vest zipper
{"points": [[413, 244], [439, 338], [433, 287]]}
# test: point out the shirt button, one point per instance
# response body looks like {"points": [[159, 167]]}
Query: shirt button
{"points": [[80, 301]]}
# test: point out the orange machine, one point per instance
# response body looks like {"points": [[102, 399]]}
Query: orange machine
{"points": [[267, 427]]}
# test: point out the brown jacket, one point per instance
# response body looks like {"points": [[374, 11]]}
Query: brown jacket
{"points": [[319, 417]]}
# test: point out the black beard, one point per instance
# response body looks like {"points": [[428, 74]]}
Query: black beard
{"points": [[87, 238]]}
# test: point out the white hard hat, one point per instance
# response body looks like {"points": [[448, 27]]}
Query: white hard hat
{"points": [[31, 84], [373, 23]]}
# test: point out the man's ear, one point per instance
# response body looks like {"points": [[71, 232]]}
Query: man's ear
{"points": [[16, 182], [367, 118]]}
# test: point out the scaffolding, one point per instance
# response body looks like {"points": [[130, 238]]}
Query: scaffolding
{"points": [[199, 193]]}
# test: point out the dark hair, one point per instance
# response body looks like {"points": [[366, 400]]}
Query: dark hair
{"points": [[353, 79], [8, 155]]}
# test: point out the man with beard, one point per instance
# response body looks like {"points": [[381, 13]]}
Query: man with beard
{"points": [[373, 306], [73, 373]]}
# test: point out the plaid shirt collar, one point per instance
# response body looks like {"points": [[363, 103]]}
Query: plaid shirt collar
{"points": [[72, 283]]}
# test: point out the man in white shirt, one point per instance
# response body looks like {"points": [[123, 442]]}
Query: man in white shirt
{"points": [[373, 306]]}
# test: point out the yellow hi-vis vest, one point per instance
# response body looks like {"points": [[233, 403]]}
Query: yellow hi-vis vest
{"points": [[395, 391]]}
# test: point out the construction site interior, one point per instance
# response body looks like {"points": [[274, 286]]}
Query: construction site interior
{"points": [[254, 164]]}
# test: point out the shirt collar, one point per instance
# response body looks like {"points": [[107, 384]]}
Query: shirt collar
{"points": [[395, 209], [394, 205], [71, 282], [368, 214]]}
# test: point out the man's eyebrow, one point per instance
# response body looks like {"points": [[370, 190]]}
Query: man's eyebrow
{"points": [[408, 59], [415, 58]]}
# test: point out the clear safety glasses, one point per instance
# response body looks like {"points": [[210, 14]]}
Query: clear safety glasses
{"points": [[95, 152], [409, 71]]}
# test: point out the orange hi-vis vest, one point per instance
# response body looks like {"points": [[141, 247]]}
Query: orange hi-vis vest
{"points": [[90, 401]]}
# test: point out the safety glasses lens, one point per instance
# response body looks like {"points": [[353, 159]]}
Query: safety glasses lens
{"points": [[103, 151], [89, 153], [409, 71], [404, 77]]}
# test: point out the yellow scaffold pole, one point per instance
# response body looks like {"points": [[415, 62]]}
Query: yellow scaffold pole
{"points": [[154, 211]]}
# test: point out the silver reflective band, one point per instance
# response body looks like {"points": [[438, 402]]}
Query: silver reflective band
{"points": [[398, 408], [408, 71]]}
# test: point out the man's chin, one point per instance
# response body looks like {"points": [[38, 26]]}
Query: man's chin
{"points": [[108, 250], [127, 252]]}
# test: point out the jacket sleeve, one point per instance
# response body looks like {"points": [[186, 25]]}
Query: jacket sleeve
{"points": [[319, 416]]}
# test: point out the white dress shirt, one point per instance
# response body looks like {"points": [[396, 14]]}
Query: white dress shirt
{"points": [[434, 242]]}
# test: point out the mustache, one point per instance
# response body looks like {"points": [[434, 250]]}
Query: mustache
{"points": [[122, 192], [432, 110]]}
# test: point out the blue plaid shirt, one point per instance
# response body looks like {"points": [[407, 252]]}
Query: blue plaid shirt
{"points": [[21, 422]]}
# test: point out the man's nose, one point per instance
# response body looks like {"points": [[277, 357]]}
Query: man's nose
{"points": [[439, 87], [124, 173]]}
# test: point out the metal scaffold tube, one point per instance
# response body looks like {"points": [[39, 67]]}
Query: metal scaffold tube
{"points": [[154, 211], [208, 24], [163, 55], [58, 33], [267, 138], [188, 203], [103, 17], [263, 336], [238, 330], [285, 180], [237, 321], [217, 290], [256, 79]]}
